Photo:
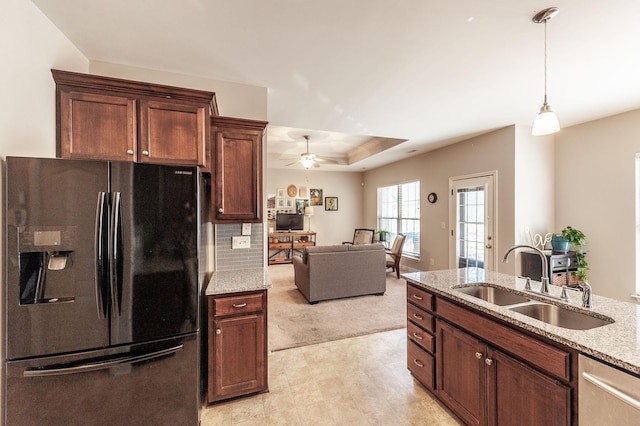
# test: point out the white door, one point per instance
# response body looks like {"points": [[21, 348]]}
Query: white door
{"points": [[471, 211]]}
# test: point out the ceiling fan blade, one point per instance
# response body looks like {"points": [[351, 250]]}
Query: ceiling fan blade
{"points": [[291, 164], [325, 160]]}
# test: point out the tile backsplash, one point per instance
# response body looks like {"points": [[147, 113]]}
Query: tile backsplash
{"points": [[228, 259]]}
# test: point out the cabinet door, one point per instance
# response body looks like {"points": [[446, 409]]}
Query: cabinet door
{"points": [[460, 377], [172, 133], [519, 395], [239, 357], [238, 176], [96, 126]]}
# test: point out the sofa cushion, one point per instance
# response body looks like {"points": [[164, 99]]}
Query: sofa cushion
{"points": [[321, 249], [366, 247], [327, 249]]}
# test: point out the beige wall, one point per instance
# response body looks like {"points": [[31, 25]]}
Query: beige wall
{"points": [[333, 227], [534, 185], [493, 151], [31, 46], [595, 184]]}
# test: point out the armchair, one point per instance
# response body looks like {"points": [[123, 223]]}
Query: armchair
{"points": [[361, 236], [394, 254]]}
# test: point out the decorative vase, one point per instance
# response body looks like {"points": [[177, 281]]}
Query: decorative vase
{"points": [[560, 244]]}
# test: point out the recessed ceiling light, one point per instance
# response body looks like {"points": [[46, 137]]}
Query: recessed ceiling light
{"points": [[470, 18]]}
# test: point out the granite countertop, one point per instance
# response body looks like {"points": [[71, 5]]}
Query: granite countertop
{"points": [[224, 282], [617, 343]]}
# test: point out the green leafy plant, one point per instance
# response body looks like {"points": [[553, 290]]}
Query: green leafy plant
{"points": [[382, 235], [578, 241]]}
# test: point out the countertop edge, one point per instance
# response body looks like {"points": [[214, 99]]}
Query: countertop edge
{"points": [[244, 280]]}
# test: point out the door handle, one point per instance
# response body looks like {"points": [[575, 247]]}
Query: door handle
{"points": [[488, 246]]}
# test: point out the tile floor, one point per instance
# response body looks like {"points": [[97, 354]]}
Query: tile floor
{"points": [[357, 381]]}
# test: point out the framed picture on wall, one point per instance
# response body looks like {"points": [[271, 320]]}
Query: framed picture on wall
{"points": [[315, 197], [280, 193], [281, 203], [302, 192], [301, 203], [331, 203]]}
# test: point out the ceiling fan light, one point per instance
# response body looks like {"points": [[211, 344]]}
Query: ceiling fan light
{"points": [[307, 162], [546, 122]]}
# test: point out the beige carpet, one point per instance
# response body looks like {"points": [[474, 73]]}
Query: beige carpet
{"points": [[293, 322]]}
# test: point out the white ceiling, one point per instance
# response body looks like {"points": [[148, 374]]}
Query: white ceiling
{"points": [[428, 72]]}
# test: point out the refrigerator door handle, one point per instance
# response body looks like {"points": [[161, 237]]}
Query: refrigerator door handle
{"points": [[93, 366], [101, 256], [116, 253]]}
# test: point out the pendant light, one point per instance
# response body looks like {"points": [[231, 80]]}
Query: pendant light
{"points": [[546, 122]]}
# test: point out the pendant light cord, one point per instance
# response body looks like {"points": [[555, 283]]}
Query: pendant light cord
{"points": [[545, 61]]}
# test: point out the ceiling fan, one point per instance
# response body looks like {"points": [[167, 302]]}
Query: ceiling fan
{"points": [[308, 159]]}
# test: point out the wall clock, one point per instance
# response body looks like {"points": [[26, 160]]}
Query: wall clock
{"points": [[292, 191], [432, 198]]}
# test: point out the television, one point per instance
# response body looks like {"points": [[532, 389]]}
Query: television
{"points": [[289, 222]]}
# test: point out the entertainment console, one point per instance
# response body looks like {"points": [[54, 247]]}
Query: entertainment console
{"points": [[286, 243]]}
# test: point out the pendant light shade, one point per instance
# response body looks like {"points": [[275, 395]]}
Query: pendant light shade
{"points": [[546, 122]]}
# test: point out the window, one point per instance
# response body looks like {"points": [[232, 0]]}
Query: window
{"points": [[399, 213]]}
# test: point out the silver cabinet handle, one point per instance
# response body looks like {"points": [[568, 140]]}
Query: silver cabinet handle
{"points": [[220, 210], [418, 363], [418, 317], [417, 336], [218, 331], [145, 152], [130, 151], [239, 305], [611, 390], [488, 361], [479, 355], [415, 296]]}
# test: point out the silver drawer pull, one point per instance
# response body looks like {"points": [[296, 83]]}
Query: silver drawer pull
{"points": [[415, 296], [418, 363], [479, 355], [416, 316], [239, 305], [417, 336]]}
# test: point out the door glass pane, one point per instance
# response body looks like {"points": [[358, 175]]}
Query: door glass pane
{"points": [[470, 206]]}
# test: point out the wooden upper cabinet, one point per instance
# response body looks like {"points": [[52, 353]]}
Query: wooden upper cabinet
{"points": [[173, 133], [112, 119], [237, 169]]}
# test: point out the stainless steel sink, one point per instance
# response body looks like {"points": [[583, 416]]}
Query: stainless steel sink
{"points": [[560, 317], [495, 295]]}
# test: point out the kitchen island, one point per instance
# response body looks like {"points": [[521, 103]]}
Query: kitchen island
{"points": [[236, 330], [617, 343], [468, 345]]}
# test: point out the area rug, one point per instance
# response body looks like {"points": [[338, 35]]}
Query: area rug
{"points": [[293, 322]]}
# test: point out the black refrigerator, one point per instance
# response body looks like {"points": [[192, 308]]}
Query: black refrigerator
{"points": [[100, 293]]}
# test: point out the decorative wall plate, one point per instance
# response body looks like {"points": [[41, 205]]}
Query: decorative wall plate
{"points": [[292, 191]]}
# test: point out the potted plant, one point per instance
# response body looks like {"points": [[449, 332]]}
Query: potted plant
{"points": [[577, 239], [382, 235]]}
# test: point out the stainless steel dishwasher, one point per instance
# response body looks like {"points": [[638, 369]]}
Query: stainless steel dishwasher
{"points": [[607, 395]]}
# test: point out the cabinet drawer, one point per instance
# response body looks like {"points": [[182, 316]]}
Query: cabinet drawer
{"points": [[241, 304], [421, 364], [420, 298], [279, 246], [420, 317], [421, 337]]}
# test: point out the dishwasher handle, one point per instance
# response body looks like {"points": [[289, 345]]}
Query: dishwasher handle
{"points": [[612, 390]]}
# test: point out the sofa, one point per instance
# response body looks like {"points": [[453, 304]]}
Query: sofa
{"points": [[337, 271]]}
